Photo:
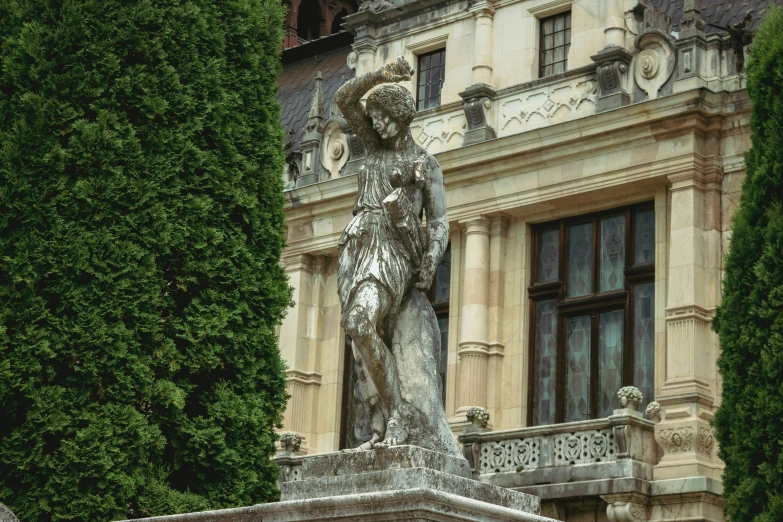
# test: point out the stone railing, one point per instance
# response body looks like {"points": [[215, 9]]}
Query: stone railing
{"points": [[577, 457]]}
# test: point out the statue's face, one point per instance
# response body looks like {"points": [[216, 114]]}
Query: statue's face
{"points": [[384, 124]]}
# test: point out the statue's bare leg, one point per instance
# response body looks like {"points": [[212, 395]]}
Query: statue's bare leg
{"points": [[371, 301]]}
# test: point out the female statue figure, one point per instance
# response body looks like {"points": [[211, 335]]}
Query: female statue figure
{"points": [[387, 259]]}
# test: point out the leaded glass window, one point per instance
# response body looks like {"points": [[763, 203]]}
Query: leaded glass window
{"points": [[592, 317], [548, 255], [577, 393], [546, 359]]}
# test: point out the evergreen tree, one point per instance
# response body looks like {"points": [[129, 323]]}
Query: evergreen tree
{"points": [[749, 422], [141, 228]]}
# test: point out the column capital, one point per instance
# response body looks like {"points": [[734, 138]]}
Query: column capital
{"points": [[476, 225], [499, 225], [483, 9]]}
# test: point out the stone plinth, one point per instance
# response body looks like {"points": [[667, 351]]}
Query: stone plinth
{"points": [[399, 483]]}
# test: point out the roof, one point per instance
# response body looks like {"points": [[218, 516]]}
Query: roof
{"points": [[718, 12], [297, 82]]}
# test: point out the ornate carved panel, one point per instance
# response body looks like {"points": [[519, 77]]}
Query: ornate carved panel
{"points": [[584, 447], [440, 132], [510, 455]]}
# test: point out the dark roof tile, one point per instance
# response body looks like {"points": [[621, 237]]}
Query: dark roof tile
{"points": [[718, 12], [297, 82]]}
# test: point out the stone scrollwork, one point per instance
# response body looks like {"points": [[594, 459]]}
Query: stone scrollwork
{"points": [[706, 442], [334, 149], [676, 440], [376, 6], [626, 512], [584, 447], [654, 64], [510, 455]]}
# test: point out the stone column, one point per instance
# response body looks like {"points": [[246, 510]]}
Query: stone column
{"points": [[473, 345], [689, 392], [300, 336], [615, 24], [479, 96], [365, 48], [496, 302]]}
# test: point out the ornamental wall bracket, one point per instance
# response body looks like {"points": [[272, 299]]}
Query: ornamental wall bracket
{"points": [[626, 507], [478, 104], [612, 66]]}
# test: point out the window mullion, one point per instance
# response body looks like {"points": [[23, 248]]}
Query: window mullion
{"points": [[594, 367]]}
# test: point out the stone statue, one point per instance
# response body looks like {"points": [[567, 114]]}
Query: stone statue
{"points": [[387, 261], [6, 515]]}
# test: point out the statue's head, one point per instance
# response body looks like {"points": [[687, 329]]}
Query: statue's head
{"points": [[392, 109]]}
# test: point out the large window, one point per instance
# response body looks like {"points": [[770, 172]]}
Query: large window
{"points": [[356, 420], [555, 42], [592, 314], [432, 73]]}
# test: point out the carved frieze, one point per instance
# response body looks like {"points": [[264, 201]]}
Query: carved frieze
{"points": [[548, 104], [676, 440], [706, 442], [440, 132]]}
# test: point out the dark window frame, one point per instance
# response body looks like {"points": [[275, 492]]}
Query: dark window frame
{"points": [[543, 48], [594, 304], [422, 102]]}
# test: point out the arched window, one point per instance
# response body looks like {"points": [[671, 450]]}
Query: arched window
{"points": [[338, 21], [308, 21]]}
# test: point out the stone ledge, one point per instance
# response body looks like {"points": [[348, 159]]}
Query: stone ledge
{"points": [[408, 480], [415, 504], [382, 459]]}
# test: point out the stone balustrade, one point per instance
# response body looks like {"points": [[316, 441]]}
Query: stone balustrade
{"points": [[594, 457]]}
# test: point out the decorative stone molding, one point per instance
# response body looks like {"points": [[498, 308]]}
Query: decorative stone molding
{"points": [[583, 447], [376, 6], [477, 107], [553, 103], [654, 64], [335, 150], [510, 455], [440, 131], [691, 23], [706, 441], [653, 411], [675, 440], [478, 416], [626, 507], [612, 65], [630, 396]]}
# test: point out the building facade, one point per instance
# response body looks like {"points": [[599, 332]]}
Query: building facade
{"points": [[592, 153]]}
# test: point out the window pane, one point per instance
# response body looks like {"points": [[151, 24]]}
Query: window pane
{"points": [[548, 255], [443, 279], [644, 238], [560, 38], [580, 260], [435, 92], [612, 253], [548, 42], [559, 23], [644, 340], [559, 55], [558, 68], [425, 62], [358, 427], [435, 60], [548, 26], [443, 363], [544, 365], [610, 360], [577, 395], [568, 20]]}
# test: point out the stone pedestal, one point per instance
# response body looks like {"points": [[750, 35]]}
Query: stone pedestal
{"points": [[399, 483]]}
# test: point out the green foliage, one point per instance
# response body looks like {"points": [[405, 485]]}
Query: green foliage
{"points": [[749, 422], [141, 227]]}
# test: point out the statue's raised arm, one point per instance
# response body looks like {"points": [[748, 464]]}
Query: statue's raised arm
{"points": [[348, 98]]}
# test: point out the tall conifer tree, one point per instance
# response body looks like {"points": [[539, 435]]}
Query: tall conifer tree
{"points": [[141, 228], [749, 422]]}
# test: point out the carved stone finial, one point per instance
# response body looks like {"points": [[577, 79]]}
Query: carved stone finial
{"points": [[290, 441], [653, 411], [316, 115], [691, 23], [630, 397], [478, 416]]}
